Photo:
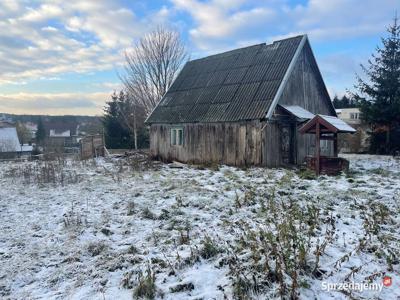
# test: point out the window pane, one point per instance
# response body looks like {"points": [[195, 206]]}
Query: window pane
{"points": [[173, 136], [180, 137]]}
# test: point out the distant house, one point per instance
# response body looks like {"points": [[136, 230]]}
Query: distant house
{"points": [[61, 137], [5, 118], [6, 124], [349, 115], [358, 142], [9, 143], [243, 107], [59, 133]]}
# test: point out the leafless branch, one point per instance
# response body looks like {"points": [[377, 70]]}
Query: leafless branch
{"points": [[152, 66]]}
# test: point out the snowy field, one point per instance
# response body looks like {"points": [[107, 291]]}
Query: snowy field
{"points": [[112, 229]]}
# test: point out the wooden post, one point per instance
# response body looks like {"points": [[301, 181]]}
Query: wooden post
{"points": [[335, 145], [93, 149], [317, 148]]}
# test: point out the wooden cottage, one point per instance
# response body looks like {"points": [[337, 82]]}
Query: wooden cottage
{"points": [[243, 107]]}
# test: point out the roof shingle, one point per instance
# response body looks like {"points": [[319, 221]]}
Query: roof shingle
{"points": [[231, 86]]}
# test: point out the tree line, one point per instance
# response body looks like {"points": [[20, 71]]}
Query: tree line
{"points": [[344, 102]]}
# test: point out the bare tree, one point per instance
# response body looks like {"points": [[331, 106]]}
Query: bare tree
{"points": [[131, 114], [24, 134], [151, 67]]}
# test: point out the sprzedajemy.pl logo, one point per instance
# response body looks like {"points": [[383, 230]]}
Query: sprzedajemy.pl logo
{"points": [[357, 286]]}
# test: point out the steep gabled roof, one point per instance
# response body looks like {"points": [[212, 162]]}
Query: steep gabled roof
{"points": [[237, 85], [9, 141]]}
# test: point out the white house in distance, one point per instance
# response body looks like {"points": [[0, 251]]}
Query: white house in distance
{"points": [[59, 133], [349, 115], [358, 142]]}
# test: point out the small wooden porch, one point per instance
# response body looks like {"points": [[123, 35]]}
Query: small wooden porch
{"points": [[326, 128]]}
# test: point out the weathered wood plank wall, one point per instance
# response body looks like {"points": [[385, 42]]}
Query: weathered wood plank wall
{"points": [[306, 89], [235, 144]]}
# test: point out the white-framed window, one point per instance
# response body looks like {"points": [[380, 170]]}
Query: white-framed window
{"points": [[354, 116], [177, 136]]}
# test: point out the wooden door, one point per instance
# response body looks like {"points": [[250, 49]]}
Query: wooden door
{"points": [[288, 154]]}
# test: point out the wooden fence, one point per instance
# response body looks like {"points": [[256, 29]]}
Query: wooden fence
{"points": [[92, 146]]}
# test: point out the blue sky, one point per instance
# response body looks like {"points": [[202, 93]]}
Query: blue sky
{"points": [[62, 57]]}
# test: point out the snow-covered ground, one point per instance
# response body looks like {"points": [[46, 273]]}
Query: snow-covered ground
{"points": [[106, 230]]}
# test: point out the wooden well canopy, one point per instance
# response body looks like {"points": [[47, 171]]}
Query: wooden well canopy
{"points": [[326, 128], [328, 124]]}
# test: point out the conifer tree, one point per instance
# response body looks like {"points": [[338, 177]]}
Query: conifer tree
{"points": [[40, 132], [379, 93], [116, 135]]}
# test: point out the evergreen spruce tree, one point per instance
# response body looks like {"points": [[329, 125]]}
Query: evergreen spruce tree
{"points": [[336, 102], [379, 94], [346, 102], [116, 136], [40, 132]]}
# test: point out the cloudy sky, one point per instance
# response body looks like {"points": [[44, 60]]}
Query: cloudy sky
{"points": [[62, 57]]}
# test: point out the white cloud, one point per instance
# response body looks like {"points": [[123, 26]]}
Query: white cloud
{"points": [[225, 24], [218, 20], [56, 37], [73, 24], [111, 85], [44, 12], [327, 20], [54, 103], [49, 29], [9, 7], [113, 26]]}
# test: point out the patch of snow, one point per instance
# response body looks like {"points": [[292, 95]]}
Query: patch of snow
{"points": [[91, 239]]}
